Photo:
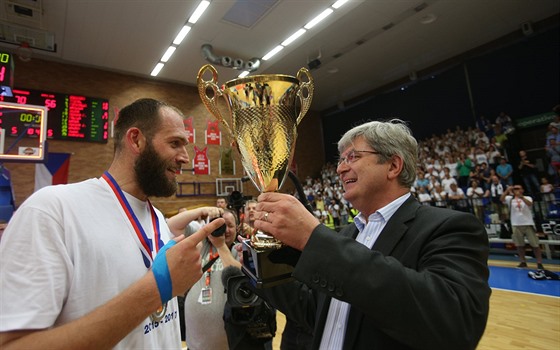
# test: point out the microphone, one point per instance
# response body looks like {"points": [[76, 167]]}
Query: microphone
{"points": [[229, 272]]}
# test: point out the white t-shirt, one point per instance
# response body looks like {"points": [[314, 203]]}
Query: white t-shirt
{"points": [[520, 213], [69, 249]]}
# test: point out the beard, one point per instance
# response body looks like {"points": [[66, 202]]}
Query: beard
{"points": [[151, 170]]}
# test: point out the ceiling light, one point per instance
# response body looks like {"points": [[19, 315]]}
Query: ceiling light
{"points": [[199, 11], [293, 37], [157, 69], [243, 74], [182, 34], [273, 52], [168, 53], [318, 19], [339, 3]]}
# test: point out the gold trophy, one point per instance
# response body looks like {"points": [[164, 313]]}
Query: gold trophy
{"points": [[262, 119]]}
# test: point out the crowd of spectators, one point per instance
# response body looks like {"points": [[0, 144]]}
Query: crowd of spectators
{"points": [[463, 169]]}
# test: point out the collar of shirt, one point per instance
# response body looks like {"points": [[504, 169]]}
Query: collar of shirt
{"points": [[383, 214]]}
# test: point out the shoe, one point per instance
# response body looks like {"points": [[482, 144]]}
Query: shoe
{"points": [[540, 266], [523, 264]]}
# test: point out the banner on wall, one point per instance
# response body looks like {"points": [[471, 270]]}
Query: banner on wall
{"points": [[191, 132], [213, 133], [201, 163], [53, 172], [227, 163]]}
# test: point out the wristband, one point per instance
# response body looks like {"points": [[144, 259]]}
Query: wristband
{"points": [[162, 275]]}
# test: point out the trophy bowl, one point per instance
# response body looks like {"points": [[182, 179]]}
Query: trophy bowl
{"points": [[262, 118]]}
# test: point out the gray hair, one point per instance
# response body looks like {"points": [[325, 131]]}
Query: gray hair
{"points": [[389, 138]]}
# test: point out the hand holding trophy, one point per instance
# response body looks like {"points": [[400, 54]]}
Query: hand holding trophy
{"points": [[262, 119]]}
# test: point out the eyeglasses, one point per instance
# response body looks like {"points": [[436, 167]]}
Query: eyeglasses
{"points": [[352, 156]]}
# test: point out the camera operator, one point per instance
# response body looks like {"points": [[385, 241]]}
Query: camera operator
{"points": [[204, 302]]}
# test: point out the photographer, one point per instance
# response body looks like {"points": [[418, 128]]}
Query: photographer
{"points": [[204, 302]]}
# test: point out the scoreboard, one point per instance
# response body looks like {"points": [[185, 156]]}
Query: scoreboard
{"points": [[70, 117]]}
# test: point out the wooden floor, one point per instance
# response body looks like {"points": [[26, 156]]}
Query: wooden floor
{"points": [[516, 320]]}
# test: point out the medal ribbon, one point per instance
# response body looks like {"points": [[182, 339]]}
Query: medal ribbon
{"points": [[211, 256], [142, 237]]}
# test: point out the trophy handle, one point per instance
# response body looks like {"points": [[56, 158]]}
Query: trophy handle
{"points": [[211, 103], [304, 85]]}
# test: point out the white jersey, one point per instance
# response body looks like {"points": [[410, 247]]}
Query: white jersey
{"points": [[69, 249]]}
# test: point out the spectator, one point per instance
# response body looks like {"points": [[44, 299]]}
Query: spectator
{"points": [[504, 171], [522, 223], [505, 123], [334, 211], [464, 166], [484, 175], [529, 174], [553, 152], [205, 301], [480, 156], [422, 181], [476, 194], [221, 203], [447, 180], [439, 196], [548, 197], [456, 197], [423, 196], [493, 156], [248, 222]]}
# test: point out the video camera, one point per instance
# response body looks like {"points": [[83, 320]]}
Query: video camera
{"points": [[236, 200], [246, 309]]}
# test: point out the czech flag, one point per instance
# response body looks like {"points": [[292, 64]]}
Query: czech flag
{"points": [[53, 172]]}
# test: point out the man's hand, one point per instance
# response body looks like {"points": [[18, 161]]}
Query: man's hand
{"points": [[284, 217], [183, 259]]}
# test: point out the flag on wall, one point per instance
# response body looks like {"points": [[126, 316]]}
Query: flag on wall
{"points": [[54, 171]]}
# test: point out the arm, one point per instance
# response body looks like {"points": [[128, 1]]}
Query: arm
{"points": [[507, 192], [119, 316], [223, 251], [527, 200], [177, 223]]}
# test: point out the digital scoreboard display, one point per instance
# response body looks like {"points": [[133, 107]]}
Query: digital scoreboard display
{"points": [[28, 143], [71, 117], [6, 69]]}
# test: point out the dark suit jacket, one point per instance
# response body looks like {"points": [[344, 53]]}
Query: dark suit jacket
{"points": [[423, 285]]}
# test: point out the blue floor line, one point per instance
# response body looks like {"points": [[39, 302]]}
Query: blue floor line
{"points": [[517, 279]]}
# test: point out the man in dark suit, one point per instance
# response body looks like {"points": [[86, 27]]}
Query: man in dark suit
{"points": [[402, 276]]}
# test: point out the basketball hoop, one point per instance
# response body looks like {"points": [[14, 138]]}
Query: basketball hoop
{"points": [[24, 52]]}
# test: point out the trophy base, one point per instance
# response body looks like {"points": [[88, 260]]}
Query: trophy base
{"points": [[262, 272]]}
